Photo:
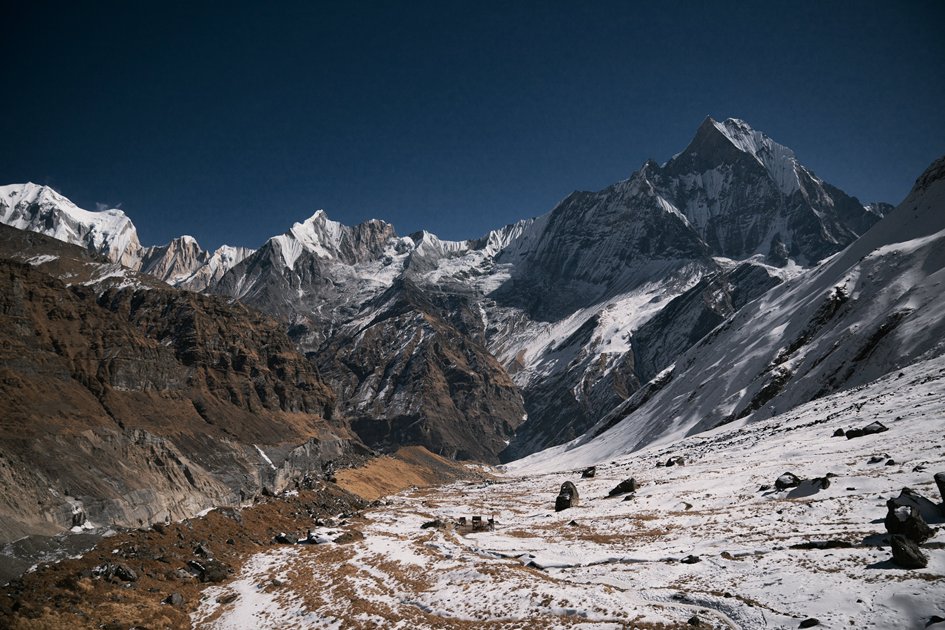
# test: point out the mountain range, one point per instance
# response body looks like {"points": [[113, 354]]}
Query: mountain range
{"points": [[722, 286]]}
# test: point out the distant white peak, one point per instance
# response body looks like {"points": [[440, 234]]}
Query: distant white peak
{"points": [[778, 160]]}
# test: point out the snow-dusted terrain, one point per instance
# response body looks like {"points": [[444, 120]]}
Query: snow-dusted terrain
{"points": [[618, 562]]}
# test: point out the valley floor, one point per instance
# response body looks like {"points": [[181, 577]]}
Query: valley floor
{"points": [[611, 562]]}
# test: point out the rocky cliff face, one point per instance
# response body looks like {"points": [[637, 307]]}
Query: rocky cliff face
{"points": [[136, 404]]}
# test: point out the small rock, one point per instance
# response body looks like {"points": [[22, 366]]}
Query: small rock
{"points": [[695, 621], [174, 599], [567, 497], [435, 524], [159, 527], [282, 539], [907, 554], [573, 523], [787, 480], [839, 433], [904, 515], [201, 550], [690, 559], [876, 459], [934, 619], [890, 462], [277, 582], [124, 572], [764, 488], [627, 485], [870, 429], [589, 472], [676, 461], [228, 598], [810, 622], [630, 497]]}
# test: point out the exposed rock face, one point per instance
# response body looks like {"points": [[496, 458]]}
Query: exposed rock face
{"points": [[413, 377], [134, 405]]}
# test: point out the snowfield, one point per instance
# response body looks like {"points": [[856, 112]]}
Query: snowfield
{"points": [[755, 558]]}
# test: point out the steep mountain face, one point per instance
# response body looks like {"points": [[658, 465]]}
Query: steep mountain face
{"points": [[867, 312], [129, 402], [577, 308], [745, 194], [181, 263]]}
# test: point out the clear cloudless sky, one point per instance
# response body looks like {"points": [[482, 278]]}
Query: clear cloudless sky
{"points": [[232, 120]]}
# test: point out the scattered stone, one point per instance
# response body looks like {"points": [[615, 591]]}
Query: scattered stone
{"points": [[810, 622], [174, 599], [676, 461], [870, 429], [876, 459], [839, 433], [890, 462], [905, 515], [282, 539], [228, 598], [201, 550], [627, 485], [349, 537], [907, 554], [159, 527], [695, 621], [589, 472], [691, 559], [907, 521], [787, 480], [124, 572], [934, 619], [435, 524], [567, 497], [573, 523], [630, 497], [764, 488]]}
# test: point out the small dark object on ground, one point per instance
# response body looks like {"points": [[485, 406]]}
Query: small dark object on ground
{"points": [[627, 485], [810, 622], [691, 559], [435, 524], [589, 472], [907, 554], [787, 480], [870, 429]]}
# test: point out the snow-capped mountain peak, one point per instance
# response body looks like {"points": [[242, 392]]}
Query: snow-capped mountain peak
{"points": [[41, 209]]}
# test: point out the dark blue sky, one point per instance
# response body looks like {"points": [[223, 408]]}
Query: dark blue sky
{"points": [[230, 122]]}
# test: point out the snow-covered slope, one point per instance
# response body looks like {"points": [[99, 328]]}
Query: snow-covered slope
{"points": [[696, 540], [871, 309], [41, 209]]}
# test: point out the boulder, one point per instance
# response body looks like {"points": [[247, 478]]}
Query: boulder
{"points": [[810, 622], [839, 433], [567, 497], [907, 554], [676, 460], [589, 472], [787, 480], [124, 572], [174, 599], [282, 539], [905, 520], [691, 559], [627, 485], [870, 429], [434, 524]]}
